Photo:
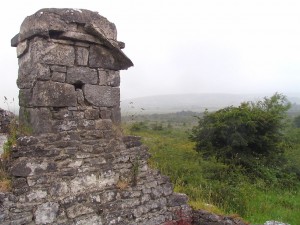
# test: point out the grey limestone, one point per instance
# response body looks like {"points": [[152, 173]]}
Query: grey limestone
{"points": [[82, 75], [53, 94], [109, 95]]}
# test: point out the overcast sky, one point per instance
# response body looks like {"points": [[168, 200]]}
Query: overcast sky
{"points": [[190, 46]]}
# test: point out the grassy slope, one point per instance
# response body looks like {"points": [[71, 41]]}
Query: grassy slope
{"points": [[173, 154]]}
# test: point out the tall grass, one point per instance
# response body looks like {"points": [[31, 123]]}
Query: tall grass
{"points": [[216, 187]]}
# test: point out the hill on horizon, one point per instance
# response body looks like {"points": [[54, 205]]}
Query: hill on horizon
{"points": [[191, 102]]}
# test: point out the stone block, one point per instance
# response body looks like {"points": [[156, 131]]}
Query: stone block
{"points": [[57, 54], [77, 210], [168, 189], [82, 75], [90, 219], [177, 199], [91, 114], [78, 114], [53, 94], [46, 213], [101, 95], [61, 114], [38, 120], [86, 124], [36, 195], [40, 167], [67, 125], [43, 51], [22, 48], [55, 68], [25, 96], [108, 29], [132, 141], [20, 218], [105, 113], [59, 189], [19, 182], [15, 41], [116, 115], [104, 124], [20, 169], [103, 74], [82, 56], [27, 140], [81, 184], [29, 72], [58, 76], [99, 56], [80, 97], [82, 44], [42, 71], [78, 36], [113, 78]]}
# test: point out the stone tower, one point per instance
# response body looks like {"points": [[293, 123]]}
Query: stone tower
{"points": [[77, 167], [69, 62]]}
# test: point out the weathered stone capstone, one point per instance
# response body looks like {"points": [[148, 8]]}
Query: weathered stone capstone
{"points": [[76, 167]]}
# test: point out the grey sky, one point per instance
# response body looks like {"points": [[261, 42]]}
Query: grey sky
{"points": [[199, 46]]}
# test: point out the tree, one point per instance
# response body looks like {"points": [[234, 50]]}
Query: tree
{"points": [[297, 121], [245, 134]]}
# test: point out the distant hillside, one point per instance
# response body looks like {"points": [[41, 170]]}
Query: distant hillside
{"points": [[189, 102]]}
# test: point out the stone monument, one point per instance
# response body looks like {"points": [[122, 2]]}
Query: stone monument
{"points": [[77, 167]]}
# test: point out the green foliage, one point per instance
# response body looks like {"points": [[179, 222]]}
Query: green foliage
{"points": [[15, 130], [225, 188], [135, 170], [157, 126], [248, 135], [138, 126], [297, 121]]}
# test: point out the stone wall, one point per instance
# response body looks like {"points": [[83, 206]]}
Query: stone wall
{"points": [[77, 168], [202, 217], [5, 119]]}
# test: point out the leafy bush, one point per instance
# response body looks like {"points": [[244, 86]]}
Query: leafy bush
{"points": [[297, 121], [249, 135], [138, 126], [157, 126]]}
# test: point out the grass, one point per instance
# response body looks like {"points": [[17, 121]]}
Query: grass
{"points": [[15, 130], [212, 189], [5, 182]]}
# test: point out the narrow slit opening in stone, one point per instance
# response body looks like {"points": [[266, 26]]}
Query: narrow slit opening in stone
{"points": [[78, 85], [54, 34], [56, 109]]}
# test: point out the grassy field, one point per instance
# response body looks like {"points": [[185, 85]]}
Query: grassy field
{"points": [[206, 183]]}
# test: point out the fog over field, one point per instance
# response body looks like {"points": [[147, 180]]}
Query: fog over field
{"points": [[181, 47], [191, 102]]}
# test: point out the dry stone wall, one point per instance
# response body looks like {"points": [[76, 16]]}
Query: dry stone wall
{"points": [[77, 168], [5, 118]]}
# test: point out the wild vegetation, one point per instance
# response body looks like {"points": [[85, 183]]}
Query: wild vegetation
{"points": [[262, 184], [15, 130]]}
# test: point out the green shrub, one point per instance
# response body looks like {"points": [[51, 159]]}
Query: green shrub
{"points": [[249, 136], [138, 126], [157, 126]]}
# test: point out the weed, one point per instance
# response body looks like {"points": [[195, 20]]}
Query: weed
{"points": [[15, 130], [135, 170], [5, 183]]}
